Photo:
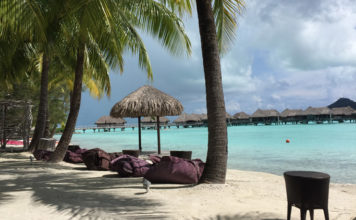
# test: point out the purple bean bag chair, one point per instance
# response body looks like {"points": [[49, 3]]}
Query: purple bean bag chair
{"points": [[96, 159], [176, 170], [73, 148], [42, 155], [129, 166], [155, 159], [114, 155], [72, 157]]}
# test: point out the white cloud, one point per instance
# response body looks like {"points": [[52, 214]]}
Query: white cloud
{"points": [[288, 54]]}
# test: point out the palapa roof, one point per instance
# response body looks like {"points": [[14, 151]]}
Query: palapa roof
{"points": [[291, 112], [241, 115], [152, 119], [317, 111], [259, 113], [343, 111], [110, 120], [188, 117], [147, 101]]}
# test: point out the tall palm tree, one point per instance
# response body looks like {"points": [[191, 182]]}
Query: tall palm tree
{"points": [[39, 23], [105, 29], [217, 25]]}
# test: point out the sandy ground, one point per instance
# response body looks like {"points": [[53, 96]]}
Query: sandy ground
{"points": [[64, 191]]}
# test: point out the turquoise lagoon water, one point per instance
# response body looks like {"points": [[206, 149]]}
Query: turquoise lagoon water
{"points": [[329, 148]]}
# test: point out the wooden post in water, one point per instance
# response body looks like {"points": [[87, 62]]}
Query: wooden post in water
{"points": [[139, 134], [158, 136]]}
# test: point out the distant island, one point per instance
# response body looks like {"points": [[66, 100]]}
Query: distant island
{"points": [[343, 102]]}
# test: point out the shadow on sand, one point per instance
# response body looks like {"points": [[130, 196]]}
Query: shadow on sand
{"points": [[81, 196], [247, 216]]}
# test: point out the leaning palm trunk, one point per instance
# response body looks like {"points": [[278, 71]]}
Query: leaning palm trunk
{"points": [[62, 147], [215, 170], [42, 108]]}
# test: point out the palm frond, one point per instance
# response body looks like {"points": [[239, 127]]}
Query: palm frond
{"points": [[225, 13]]}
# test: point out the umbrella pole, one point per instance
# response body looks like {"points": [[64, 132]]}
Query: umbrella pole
{"points": [[139, 134], [158, 136]]}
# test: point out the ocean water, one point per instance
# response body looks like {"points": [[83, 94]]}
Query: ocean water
{"points": [[329, 148]]}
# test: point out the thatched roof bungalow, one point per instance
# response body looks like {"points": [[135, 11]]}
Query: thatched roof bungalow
{"points": [[188, 119], [317, 111], [319, 115], [107, 120], [342, 111], [291, 115], [241, 115], [265, 116], [153, 119], [240, 118]]}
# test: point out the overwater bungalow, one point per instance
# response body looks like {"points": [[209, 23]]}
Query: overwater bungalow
{"points": [[151, 122], [342, 113], [189, 120], [108, 121], [318, 115], [291, 116], [204, 119], [240, 118], [266, 117]]}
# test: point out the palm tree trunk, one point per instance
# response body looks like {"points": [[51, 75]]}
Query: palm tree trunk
{"points": [[215, 168], [62, 147], [42, 108]]}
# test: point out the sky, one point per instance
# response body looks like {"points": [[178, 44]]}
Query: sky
{"points": [[287, 54]]}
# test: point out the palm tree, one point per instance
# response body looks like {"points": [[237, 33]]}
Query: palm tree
{"points": [[217, 24], [105, 29], [39, 24]]}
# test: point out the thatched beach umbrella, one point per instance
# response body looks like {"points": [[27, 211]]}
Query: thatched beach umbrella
{"points": [[147, 101]]}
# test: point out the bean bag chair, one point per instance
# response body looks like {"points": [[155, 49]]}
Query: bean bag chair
{"points": [[114, 155], [73, 148], [154, 158], [129, 166], [42, 154], [72, 157], [175, 170], [96, 159], [80, 151]]}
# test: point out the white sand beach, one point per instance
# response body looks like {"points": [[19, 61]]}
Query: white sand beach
{"points": [[65, 191]]}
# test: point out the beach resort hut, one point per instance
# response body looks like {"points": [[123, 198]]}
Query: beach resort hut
{"points": [[108, 121], [319, 115], [147, 101], [342, 113], [186, 120], [151, 120], [291, 115], [240, 118], [266, 117]]}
